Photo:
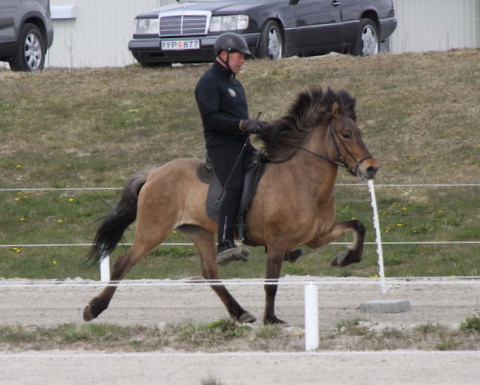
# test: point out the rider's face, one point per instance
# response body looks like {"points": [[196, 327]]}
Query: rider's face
{"points": [[235, 60]]}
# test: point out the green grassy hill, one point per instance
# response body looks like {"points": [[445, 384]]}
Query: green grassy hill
{"points": [[92, 128]]}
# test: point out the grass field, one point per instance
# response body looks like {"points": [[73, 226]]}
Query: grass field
{"points": [[94, 127]]}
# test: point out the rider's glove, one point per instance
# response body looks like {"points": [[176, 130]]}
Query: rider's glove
{"points": [[251, 126]]}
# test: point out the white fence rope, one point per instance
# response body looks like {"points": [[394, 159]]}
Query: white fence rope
{"points": [[10, 189], [191, 244], [317, 281], [376, 355]]}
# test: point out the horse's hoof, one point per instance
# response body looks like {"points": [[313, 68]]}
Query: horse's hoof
{"points": [[345, 258], [88, 314], [246, 318], [274, 321], [93, 309], [339, 258]]}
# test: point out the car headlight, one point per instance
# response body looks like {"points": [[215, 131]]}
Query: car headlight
{"points": [[145, 26], [228, 23]]}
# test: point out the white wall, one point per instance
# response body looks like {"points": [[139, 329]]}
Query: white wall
{"points": [[436, 25], [99, 35]]}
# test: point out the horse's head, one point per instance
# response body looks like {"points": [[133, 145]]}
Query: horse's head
{"points": [[347, 142], [330, 118]]}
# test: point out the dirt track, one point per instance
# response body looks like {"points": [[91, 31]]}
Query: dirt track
{"points": [[447, 302]]}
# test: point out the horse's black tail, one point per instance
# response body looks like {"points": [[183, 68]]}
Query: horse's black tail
{"points": [[113, 226]]}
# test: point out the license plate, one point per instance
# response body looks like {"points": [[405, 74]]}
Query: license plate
{"points": [[179, 45]]}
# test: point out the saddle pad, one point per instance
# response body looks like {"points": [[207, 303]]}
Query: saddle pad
{"points": [[206, 173]]}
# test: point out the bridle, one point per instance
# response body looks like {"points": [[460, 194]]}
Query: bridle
{"points": [[340, 161]]}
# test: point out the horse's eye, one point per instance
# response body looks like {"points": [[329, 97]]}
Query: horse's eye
{"points": [[346, 136]]}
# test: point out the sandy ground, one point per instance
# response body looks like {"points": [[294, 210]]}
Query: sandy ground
{"points": [[445, 301]]}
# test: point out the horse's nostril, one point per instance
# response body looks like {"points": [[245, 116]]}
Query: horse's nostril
{"points": [[371, 171]]}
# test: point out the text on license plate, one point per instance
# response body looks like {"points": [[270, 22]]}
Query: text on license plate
{"points": [[170, 45]]}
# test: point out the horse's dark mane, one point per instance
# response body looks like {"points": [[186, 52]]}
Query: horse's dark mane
{"points": [[310, 109]]}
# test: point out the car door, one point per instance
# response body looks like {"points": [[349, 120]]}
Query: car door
{"points": [[351, 11], [319, 24], [8, 10]]}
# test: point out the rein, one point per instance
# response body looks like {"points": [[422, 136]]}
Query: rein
{"points": [[341, 161]]}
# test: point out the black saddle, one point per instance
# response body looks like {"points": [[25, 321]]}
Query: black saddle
{"points": [[253, 174]]}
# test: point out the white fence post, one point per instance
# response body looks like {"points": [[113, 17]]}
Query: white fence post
{"points": [[311, 317], [378, 240], [105, 268]]}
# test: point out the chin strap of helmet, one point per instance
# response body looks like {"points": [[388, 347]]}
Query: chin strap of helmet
{"points": [[226, 62]]}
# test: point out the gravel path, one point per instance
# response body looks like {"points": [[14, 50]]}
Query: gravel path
{"points": [[445, 301]]}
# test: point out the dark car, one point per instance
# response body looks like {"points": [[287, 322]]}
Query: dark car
{"points": [[26, 33], [186, 31]]}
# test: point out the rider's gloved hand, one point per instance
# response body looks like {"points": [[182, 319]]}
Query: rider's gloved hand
{"points": [[252, 126]]}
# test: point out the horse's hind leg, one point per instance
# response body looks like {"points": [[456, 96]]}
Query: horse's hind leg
{"points": [[354, 253], [204, 241], [123, 265]]}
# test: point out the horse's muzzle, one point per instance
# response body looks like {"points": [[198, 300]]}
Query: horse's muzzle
{"points": [[367, 169]]}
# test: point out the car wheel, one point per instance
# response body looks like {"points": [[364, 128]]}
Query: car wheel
{"points": [[271, 41], [367, 43], [31, 50]]}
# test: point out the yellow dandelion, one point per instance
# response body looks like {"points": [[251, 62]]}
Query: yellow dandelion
{"points": [[17, 199], [400, 225], [23, 219], [71, 200], [59, 220], [18, 166], [54, 262]]}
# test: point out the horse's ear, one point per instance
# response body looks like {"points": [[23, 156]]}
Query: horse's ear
{"points": [[335, 111]]}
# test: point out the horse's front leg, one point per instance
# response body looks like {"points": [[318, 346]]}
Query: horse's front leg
{"points": [[274, 266], [353, 254]]}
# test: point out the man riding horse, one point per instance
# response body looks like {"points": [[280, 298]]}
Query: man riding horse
{"points": [[223, 107]]}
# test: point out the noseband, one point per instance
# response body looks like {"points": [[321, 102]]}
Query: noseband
{"points": [[340, 161]]}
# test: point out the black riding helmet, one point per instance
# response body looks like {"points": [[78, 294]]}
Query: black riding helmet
{"points": [[231, 42]]}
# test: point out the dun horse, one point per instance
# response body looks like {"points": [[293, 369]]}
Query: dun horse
{"points": [[293, 206]]}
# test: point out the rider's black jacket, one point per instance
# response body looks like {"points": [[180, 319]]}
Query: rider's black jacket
{"points": [[222, 103]]}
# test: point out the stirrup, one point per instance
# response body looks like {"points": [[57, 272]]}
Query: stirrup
{"points": [[238, 253]]}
